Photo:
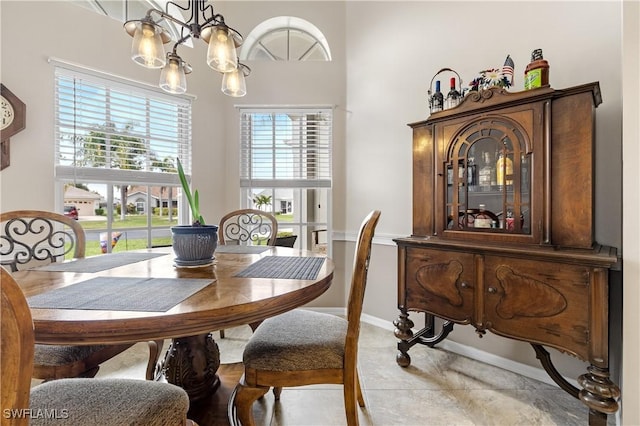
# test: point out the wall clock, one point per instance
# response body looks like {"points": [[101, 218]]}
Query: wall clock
{"points": [[13, 114]]}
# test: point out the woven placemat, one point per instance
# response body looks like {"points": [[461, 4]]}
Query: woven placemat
{"points": [[99, 263], [120, 294], [284, 267]]}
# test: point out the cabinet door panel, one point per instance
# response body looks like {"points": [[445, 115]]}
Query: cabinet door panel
{"points": [[542, 302], [490, 162], [441, 283]]}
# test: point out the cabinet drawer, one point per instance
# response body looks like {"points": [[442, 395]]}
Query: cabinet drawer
{"points": [[543, 302], [441, 283]]}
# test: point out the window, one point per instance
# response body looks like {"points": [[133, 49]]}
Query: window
{"points": [[116, 147], [286, 38], [285, 168], [123, 10]]}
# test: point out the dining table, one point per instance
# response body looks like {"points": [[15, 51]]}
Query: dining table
{"points": [[143, 296]]}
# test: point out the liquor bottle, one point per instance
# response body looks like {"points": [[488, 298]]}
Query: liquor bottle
{"points": [[471, 174], [438, 99], [484, 175], [510, 221], [493, 169], [483, 220], [504, 168], [536, 74], [524, 176], [453, 97]]}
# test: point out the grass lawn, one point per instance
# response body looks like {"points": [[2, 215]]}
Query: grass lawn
{"points": [[140, 221], [93, 247], [284, 217], [125, 244], [130, 221]]}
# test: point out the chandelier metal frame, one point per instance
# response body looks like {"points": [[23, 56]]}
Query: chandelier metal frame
{"points": [[203, 23]]}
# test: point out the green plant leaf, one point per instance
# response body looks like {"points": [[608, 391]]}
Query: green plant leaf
{"points": [[193, 200], [196, 212]]}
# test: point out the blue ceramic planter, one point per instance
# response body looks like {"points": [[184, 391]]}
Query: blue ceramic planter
{"points": [[194, 245]]}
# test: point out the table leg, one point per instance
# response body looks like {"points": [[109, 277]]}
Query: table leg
{"points": [[192, 363]]}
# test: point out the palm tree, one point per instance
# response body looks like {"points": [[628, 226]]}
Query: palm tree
{"points": [[262, 200]]}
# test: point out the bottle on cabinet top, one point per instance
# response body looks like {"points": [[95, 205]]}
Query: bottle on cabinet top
{"points": [[453, 97], [536, 74], [438, 99]]}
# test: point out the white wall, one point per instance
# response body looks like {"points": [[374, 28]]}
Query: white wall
{"points": [[631, 227], [392, 56]]}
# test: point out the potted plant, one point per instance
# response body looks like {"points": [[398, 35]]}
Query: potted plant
{"points": [[193, 244]]}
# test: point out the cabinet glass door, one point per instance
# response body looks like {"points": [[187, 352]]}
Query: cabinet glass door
{"points": [[488, 178]]}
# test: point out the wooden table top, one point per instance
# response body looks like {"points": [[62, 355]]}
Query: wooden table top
{"points": [[229, 301]]}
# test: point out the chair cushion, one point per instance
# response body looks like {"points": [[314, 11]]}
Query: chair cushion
{"points": [[62, 355], [297, 340], [107, 402]]}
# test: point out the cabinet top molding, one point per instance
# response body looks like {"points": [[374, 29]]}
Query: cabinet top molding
{"points": [[497, 97]]}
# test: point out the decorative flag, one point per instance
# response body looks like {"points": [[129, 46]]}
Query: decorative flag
{"points": [[507, 68]]}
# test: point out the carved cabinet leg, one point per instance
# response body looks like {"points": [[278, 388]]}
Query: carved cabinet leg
{"points": [[599, 393], [427, 336], [191, 363], [403, 332]]}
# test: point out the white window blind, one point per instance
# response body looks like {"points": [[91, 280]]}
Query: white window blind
{"points": [[108, 130], [286, 148]]}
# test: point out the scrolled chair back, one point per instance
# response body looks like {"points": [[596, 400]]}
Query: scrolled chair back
{"points": [[30, 238], [248, 227]]}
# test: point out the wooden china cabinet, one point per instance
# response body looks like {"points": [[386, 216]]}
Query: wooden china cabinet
{"points": [[503, 231]]}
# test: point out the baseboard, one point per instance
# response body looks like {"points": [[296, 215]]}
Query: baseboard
{"points": [[464, 350]]}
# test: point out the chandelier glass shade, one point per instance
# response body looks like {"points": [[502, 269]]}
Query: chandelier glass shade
{"points": [[149, 37], [221, 53], [147, 49], [233, 83], [173, 77]]}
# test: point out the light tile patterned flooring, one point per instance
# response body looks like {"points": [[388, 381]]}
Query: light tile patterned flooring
{"points": [[438, 388]]}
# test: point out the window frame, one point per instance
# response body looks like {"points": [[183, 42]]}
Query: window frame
{"points": [[110, 177], [281, 26], [318, 185]]}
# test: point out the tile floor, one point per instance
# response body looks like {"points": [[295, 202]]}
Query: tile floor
{"points": [[439, 388]]}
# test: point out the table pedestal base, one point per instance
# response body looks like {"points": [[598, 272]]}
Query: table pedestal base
{"points": [[213, 410], [192, 363]]}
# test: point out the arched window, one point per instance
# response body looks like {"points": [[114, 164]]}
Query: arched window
{"points": [[286, 38]]}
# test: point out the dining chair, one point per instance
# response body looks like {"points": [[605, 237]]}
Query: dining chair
{"points": [[303, 347], [72, 401], [286, 241], [247, 227], [32, 238]]}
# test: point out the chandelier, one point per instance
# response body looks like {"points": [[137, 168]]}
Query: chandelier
{"points": [[149, 37]]}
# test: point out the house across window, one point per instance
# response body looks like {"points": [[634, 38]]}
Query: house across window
{"points": [[285, 206]]}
